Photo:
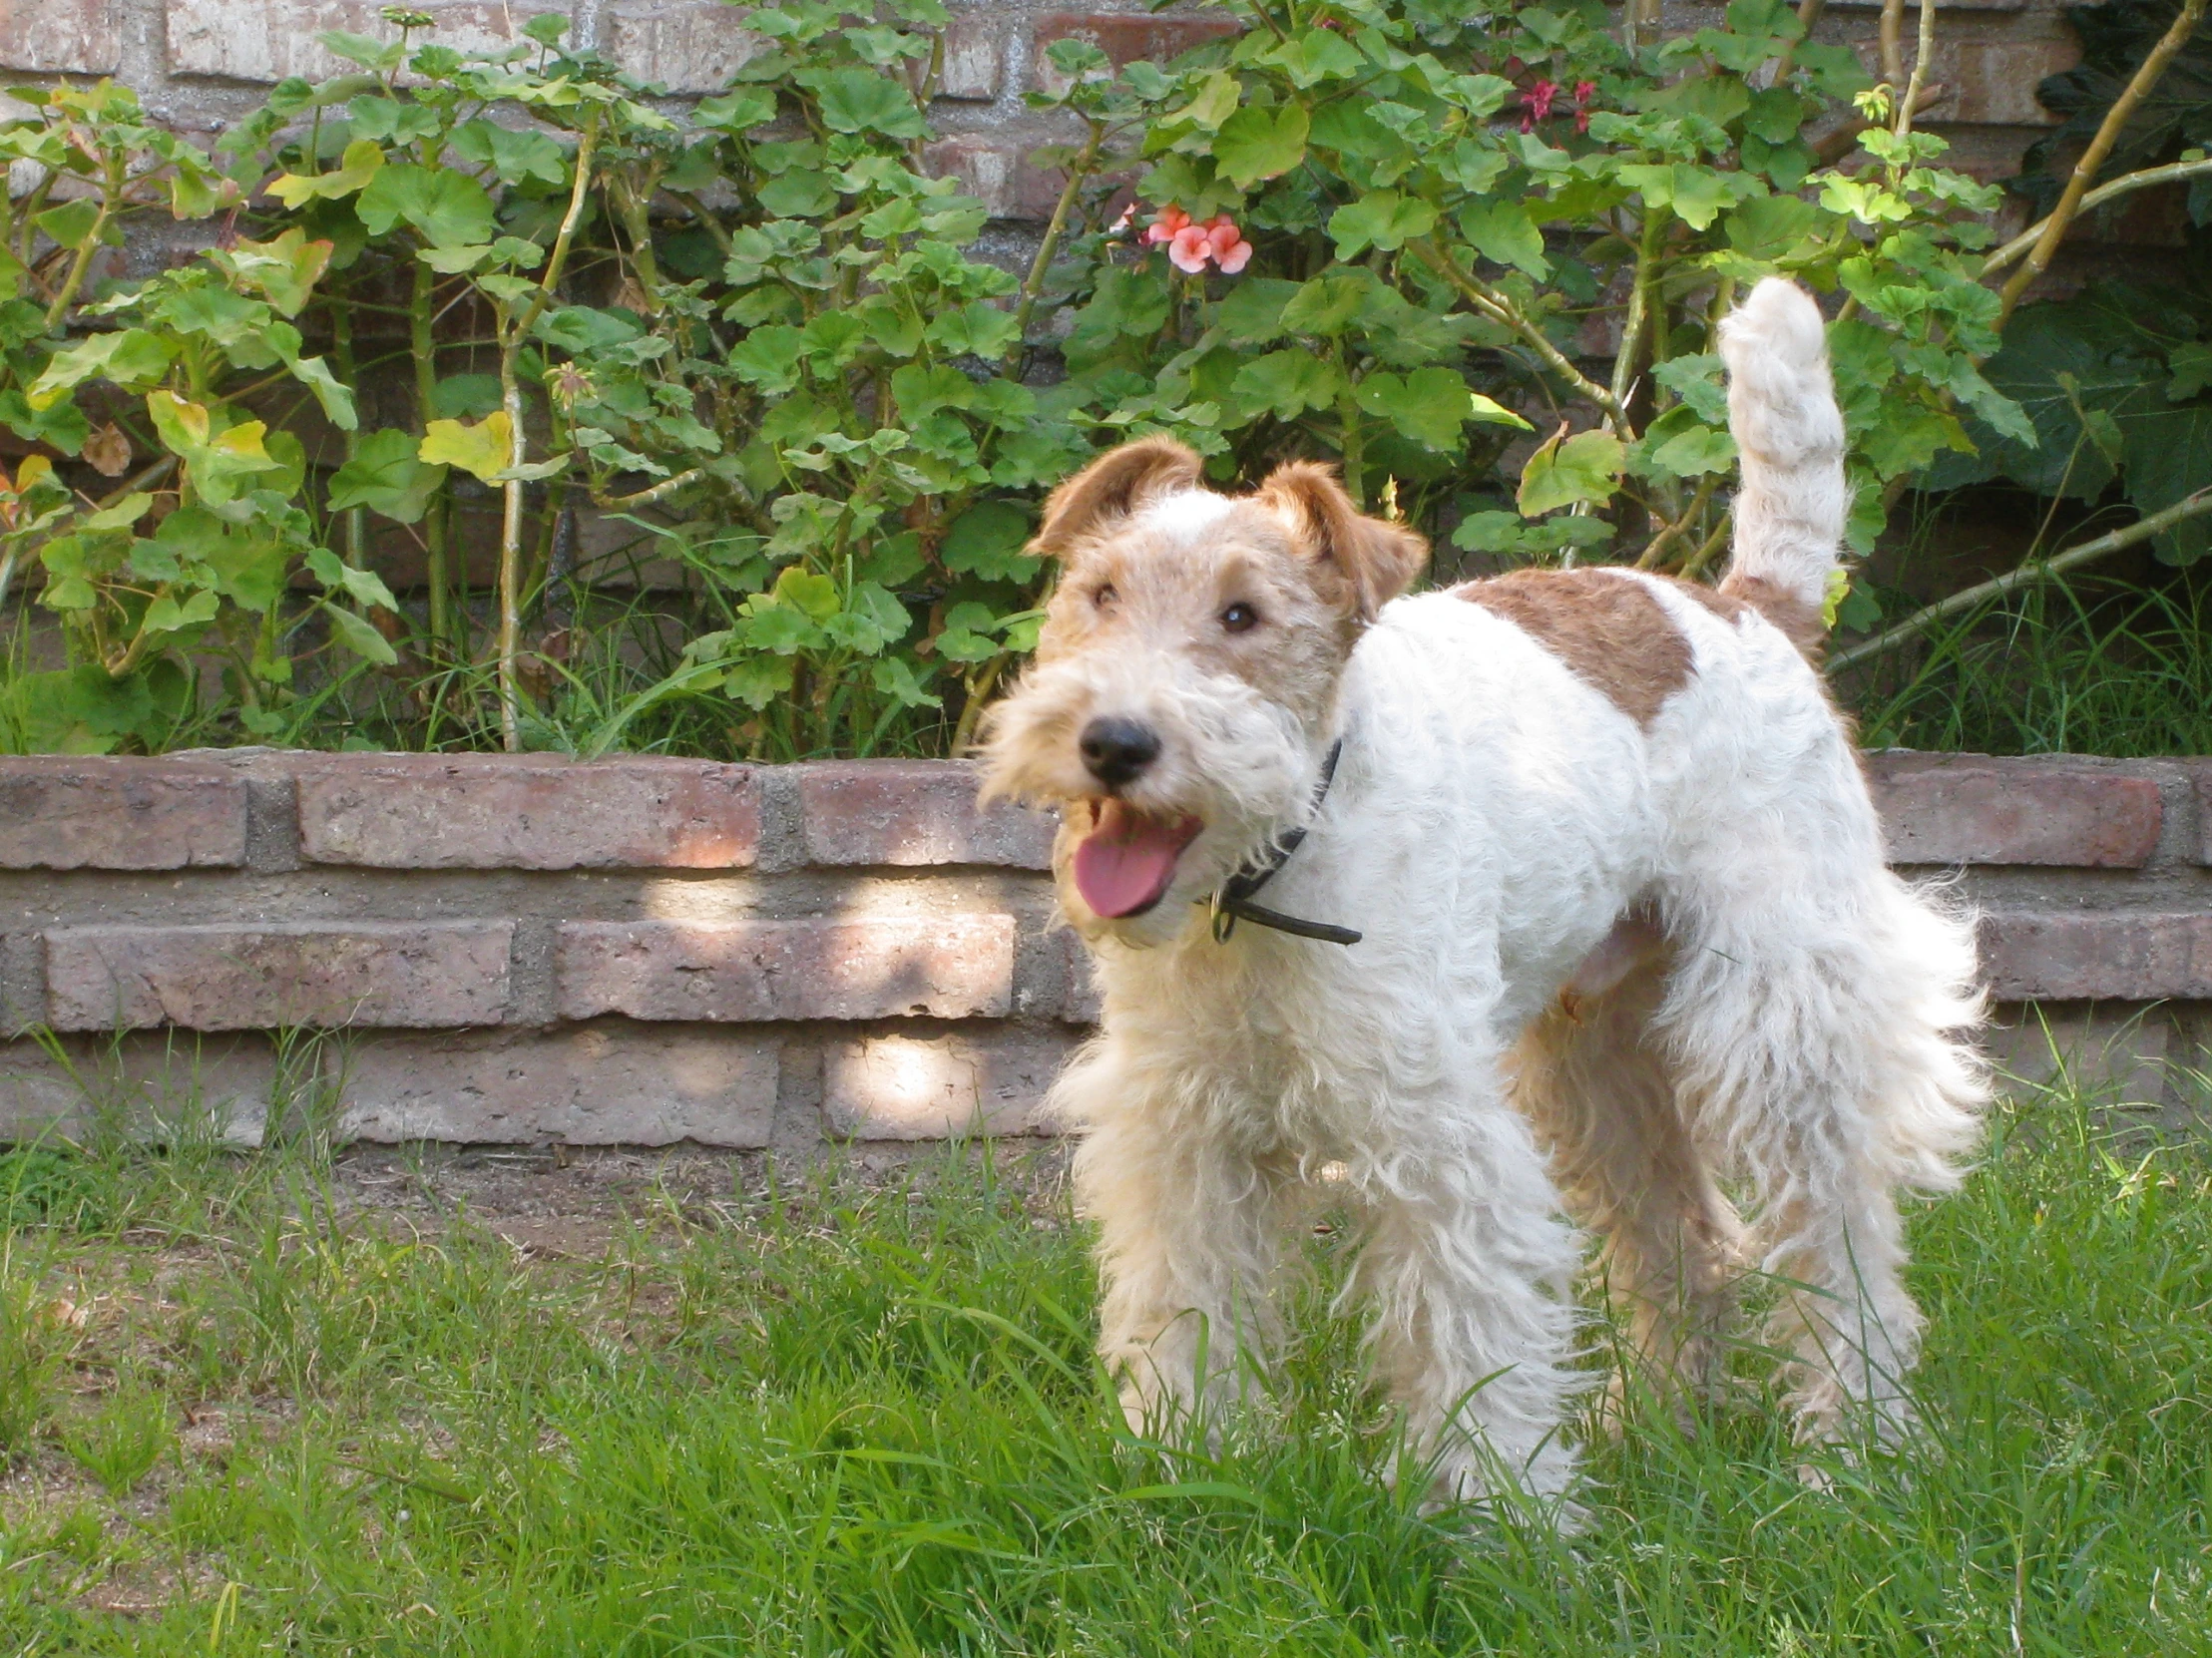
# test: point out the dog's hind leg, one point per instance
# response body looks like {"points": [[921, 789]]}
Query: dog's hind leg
{"points": [[1595, 1081], [1467, 1267], [1814, 1019]]}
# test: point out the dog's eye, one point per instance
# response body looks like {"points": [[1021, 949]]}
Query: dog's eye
{"points": [[1239, 617], [1103, 595]]}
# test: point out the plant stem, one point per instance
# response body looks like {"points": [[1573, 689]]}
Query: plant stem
{"points": [[434, 522], [647, 497], [2026, 575], [510, 544], [1681, 527], [77, 269], [1034, 283], [1808, 13], [1627, 359], [1695, 564], [2125, 184], [2148, 75], [341, 347], [1352, 449], [1924, 49], [1501, 310], [1892, 43], [587, 142]]}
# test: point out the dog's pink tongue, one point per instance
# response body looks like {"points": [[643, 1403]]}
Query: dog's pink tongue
{"points": [[1124, 864]]}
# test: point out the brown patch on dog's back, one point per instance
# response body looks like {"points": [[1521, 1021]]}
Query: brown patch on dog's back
{"points": [[1608, 629]]}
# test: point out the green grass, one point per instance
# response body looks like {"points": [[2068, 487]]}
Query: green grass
{"points": [[2091, 666], [862, 1420]]}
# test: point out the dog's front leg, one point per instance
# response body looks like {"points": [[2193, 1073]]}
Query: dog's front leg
{"points": [[1467, 1267], [1185, 1253]]}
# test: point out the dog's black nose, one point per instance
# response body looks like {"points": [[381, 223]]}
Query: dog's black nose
{"points": [[1115, 750]]}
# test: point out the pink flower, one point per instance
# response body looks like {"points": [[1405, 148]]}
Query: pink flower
{"points": [[1165, 226], [1189, 250], [1583, 92], [1230, 251], [1537, 102]]}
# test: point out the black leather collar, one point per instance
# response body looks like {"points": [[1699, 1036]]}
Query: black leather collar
{"points": [[1234, 902]]}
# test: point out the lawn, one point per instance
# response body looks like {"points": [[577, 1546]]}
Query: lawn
{"points": [[249, 1412]]}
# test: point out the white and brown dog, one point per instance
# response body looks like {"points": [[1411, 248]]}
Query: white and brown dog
{"points": [[1622, 927]]}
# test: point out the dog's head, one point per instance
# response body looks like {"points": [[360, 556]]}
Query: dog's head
{"points": [[1185, 679]]}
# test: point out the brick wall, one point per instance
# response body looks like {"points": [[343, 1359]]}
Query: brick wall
{"points": [[644, 951], [202, 62]]}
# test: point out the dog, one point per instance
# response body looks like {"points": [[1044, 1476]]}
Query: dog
{"points": [[1523, 908]]}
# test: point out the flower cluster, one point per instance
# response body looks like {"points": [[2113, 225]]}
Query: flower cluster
{"points": [[1535, 103], [1191, 246]]}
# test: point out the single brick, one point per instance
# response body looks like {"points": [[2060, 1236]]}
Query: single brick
{"points": [[60, 812], [1123, 37], [606, 1084], [2112, 957], [911, 812], [60, 36], [431, 811], [1939, 809], [926, 1089], [997, 173], [951, 967], [277, 37], [975, 44], [435, 974], [686, 48]]}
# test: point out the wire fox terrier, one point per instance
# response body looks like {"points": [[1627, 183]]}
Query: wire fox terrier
{"points": [[1574, 900]]}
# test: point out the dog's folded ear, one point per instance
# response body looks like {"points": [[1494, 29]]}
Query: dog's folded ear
{"points": [[1114, 485], [1369, 560]]}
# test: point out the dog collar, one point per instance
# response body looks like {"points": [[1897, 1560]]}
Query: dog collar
{"points": [[1232, 901]]}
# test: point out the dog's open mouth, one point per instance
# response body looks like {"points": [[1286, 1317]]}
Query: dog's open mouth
{"points": [[1126, 864]]}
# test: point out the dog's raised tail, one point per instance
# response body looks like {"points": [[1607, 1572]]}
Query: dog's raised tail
{"points": [[1789, 513]]}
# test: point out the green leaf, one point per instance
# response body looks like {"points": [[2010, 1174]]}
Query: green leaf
{"points": [[2192, 365], [166, 615], [1697, 381], [387, 475], [1256, 144], [739, 110], [1506, 232], [355, 633], [1312, 56], [1381, 219], [223, 465], [446, 209], [1582, 468], [365, 586], [1775, 115], [987, 541], [482, 449], [811, 593], [362, 162], [760, 681], [72, 224], [978, 328], [130, 357], [1430, 405], [1287, 383], [1252, 314], [866, 101], [335, 397], [284, 268], [120, 516], [894, 676], [1327, 304], [1695, 451], [923, 392]]}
